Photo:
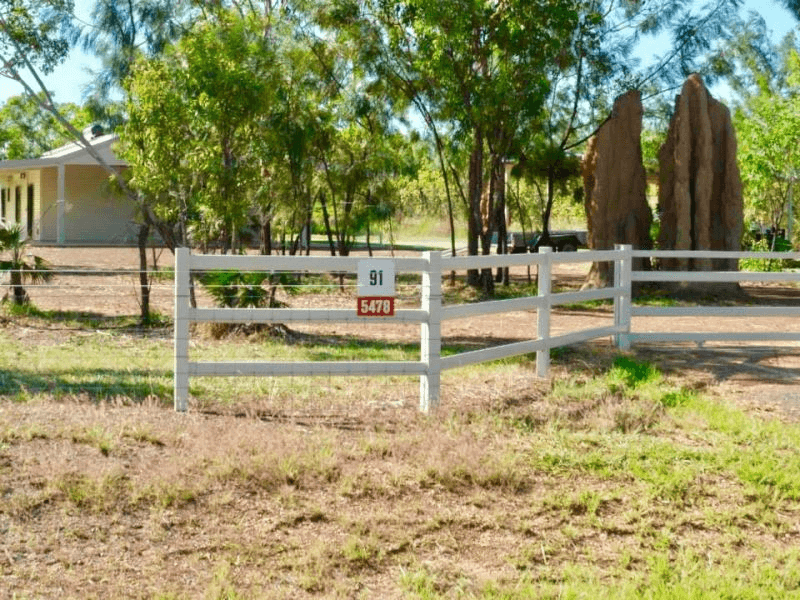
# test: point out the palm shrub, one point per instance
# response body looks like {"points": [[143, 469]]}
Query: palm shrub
{"points": [[20, 271], [236, 289]]}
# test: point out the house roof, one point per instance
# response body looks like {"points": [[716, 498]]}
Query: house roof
{"points": [[70, 154]]}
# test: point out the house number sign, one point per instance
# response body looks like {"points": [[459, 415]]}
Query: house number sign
{"points": [[375, 288]]}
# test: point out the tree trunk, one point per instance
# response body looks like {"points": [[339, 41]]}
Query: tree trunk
{"points": [[20, 296], [308, 229], [452, 227], [144, 279], [522, 224], [446, 179], [499, 191], [548, 209], [265, 237], [225, 238], [327, 219], [475, 189]]}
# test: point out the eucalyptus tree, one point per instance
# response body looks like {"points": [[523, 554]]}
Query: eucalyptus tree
{"points": [[194, 117], [290, 130], [766, 130], [477, 65], [154, 141], [27, 132], [363, 164], [766, 77], [361, 151]]}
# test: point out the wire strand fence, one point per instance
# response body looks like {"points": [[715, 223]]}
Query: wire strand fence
{"points": [[104, 290], [116, 292]]}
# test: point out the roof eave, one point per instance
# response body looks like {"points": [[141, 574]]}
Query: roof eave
{"points": [[69, 154]]}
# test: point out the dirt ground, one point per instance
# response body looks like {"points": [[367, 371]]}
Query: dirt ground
{"points": [[106, 501]]}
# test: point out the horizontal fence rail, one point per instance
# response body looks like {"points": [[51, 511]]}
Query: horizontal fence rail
{"points": [[431, 313], [712, 312]]}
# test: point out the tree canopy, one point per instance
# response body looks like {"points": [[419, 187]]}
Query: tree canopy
{"points": [[191, 126], [27, 132], [283, 113], [35, 35], [767, 120]]}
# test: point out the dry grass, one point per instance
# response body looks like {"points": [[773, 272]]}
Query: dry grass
{"points": [[518, 486], [593, 484]]}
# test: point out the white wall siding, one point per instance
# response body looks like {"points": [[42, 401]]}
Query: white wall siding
{"points": [[94, 213], [48, 191]]}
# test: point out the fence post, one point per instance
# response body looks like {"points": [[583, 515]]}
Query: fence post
{"points": [[544, 284], [622, 302], [181, 373], [431, 333]]}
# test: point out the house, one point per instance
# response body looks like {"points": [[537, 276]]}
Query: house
{"points": [[64, 197]]}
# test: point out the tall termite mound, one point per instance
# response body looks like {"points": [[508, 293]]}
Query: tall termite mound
{"points": [[700, 195], [615, 185]]}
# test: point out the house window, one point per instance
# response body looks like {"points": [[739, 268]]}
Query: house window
{"points": [[18, 205], [29, 212]]}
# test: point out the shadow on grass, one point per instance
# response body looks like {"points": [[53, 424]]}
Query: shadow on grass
{"points": [[96, 384], [332, 347], [158, 326], [324, 348]]}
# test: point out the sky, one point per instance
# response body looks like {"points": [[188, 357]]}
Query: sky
{"points": [[69, 79]]}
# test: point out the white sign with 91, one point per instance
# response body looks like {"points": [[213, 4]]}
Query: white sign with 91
{"points": [[376, 277]]}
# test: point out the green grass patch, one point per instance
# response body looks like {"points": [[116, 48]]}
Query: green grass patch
{"points": [[162, 274], [82, 319], [761, 455], [684, 574], [461, 293], [95, 367]]}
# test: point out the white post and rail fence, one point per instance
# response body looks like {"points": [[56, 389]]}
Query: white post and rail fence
{"points": [[374, 302]]}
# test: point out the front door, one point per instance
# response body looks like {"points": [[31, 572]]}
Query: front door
{"points": [[29, 212]]}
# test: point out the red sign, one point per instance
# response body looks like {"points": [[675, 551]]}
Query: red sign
{"points": [[375, 306]]}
